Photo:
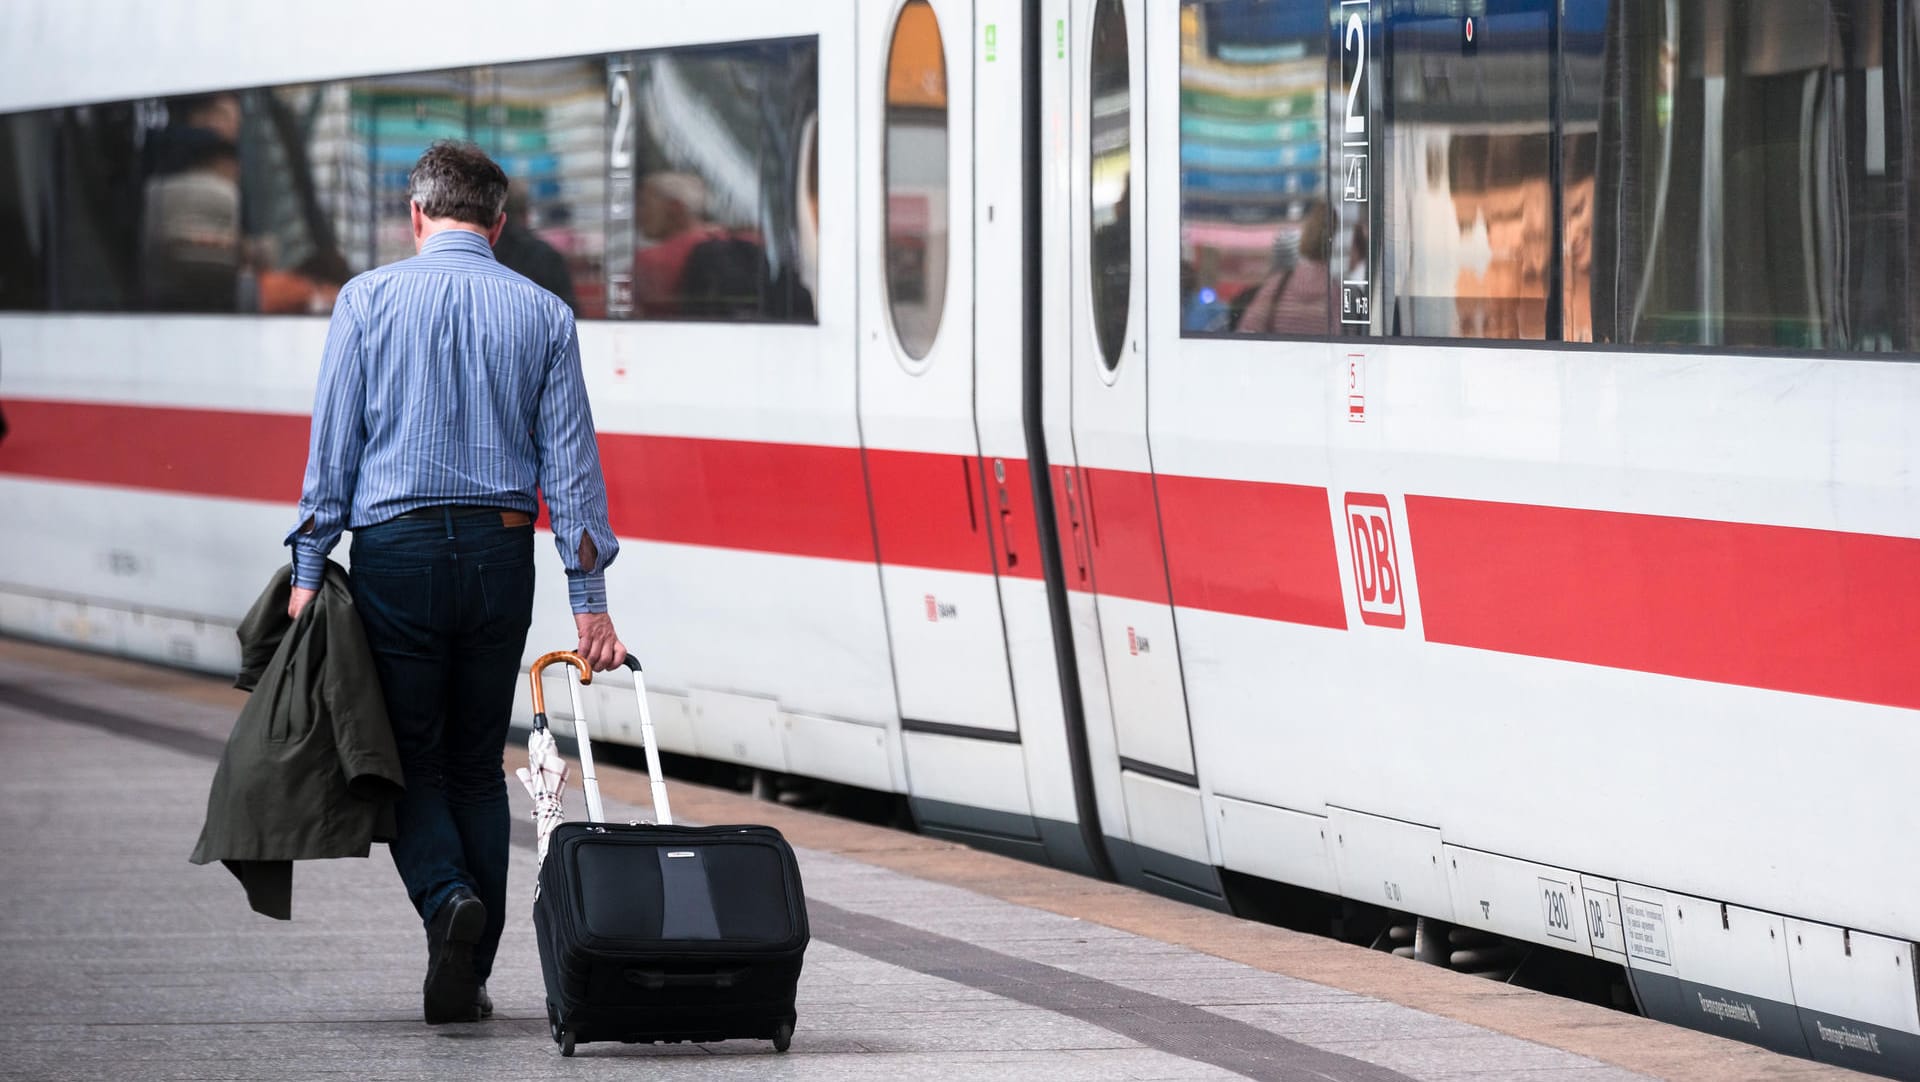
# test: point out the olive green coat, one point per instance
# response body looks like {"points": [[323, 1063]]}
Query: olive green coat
{"points": [[310, 769]]}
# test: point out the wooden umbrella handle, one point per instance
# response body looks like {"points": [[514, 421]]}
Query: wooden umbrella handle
{"points": [[568, 656]]}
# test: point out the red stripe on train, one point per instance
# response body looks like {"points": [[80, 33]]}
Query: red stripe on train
{"points": [[1122, 524], [245, 456], [1243, 547], [1808, 611], [794, 499], [927, 512], [798, 499], [1253, 549], [1786, 609]]}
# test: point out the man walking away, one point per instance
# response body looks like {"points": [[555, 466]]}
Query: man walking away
{"points": [[450, 391]]}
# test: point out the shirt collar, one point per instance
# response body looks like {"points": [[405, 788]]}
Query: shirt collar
{"points": [[457, 239]]}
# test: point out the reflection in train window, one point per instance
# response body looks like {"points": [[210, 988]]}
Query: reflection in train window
{"points": [[546, 124], [1254, 223], [1753, 179], [916, 178], [100, 182], [1468, 176], [295, 141], [396, 119], [719, 139], [1111, 182], [26, 178]]}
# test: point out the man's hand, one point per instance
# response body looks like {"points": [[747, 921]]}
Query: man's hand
{"points": [[598, 643], [298, 600]]}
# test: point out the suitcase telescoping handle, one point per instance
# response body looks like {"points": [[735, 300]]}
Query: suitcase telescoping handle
{"points": [[583, 674]]}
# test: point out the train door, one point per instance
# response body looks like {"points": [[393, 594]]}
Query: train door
{"points": [[1106, 495], [936, 504]]}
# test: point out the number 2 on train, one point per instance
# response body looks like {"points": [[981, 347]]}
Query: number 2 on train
{"points": [[620, 148], [1355, 42]]}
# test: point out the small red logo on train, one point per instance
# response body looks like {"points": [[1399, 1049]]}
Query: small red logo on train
{"points": [[933, 610], [1376, 561]]}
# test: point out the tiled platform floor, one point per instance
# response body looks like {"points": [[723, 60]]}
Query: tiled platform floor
{"points": [[120, 960]]}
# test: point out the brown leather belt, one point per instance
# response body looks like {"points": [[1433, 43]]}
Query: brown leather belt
{"points": [[508, 517]]}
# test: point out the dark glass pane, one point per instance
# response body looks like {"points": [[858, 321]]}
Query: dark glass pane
{"points": [[545, 123], [1255, 229], [1754, 175], [190, 251], [26, 192], [395, 120], [916, 178], [291, 149], [96, 234], [719, 143], [1583, 45], [1111, 185], [1467, 175]]}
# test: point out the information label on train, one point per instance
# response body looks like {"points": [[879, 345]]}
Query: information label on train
{"points": [[1353, 128], [1646, 927]]}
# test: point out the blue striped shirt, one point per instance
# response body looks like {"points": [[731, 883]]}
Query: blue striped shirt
{"points": [[449, 379]]}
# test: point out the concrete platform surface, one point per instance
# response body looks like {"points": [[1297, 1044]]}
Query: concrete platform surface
{"points": [[120, 960]]}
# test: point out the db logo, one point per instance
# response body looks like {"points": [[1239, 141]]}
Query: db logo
{"points": [[1376, 563]]}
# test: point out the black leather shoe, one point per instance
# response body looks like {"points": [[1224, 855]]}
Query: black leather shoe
{"points": [[451, 990], [483, 1001]]}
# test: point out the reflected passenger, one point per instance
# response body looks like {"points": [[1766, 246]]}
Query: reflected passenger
{"points": [[671, 216], [1294, 297], [190, 228], [521, 249]]}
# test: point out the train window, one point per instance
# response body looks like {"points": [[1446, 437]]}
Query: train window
{"points": [[26, 183], [718, 142], [397, 118], [1752, 174], [106, 167], [916, 178], [545, 123], [1466, 179], [1583, 28], [293, 145], [1111, 182], [1255, 236]]}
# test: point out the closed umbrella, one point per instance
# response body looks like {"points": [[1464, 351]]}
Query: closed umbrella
{"points": [[545, 774]]}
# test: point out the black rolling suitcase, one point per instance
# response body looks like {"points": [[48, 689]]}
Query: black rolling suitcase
{"points": [[655, 932]]}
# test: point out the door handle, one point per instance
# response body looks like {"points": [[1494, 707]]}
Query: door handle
{"points": [[1006, 514], [1073, 522], [1006, 532], [966, 475]]}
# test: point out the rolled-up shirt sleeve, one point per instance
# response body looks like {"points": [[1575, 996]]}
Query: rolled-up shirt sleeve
{"points": [[334, 447], [570, 477]]}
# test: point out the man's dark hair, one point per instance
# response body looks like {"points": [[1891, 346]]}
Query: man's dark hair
{"points": [[457, 180]]}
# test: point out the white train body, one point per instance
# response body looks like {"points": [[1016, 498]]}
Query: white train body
{"points": [[1606, 650]]}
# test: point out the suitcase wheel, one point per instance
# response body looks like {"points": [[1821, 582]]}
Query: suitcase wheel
{"points": [[783, 1038], [562, 1036]]}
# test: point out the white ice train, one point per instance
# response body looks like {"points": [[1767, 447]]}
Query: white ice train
{"points": [[1445, 465]]}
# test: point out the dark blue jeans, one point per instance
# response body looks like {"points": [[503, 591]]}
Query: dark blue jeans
{"points": [[446, 599]]}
